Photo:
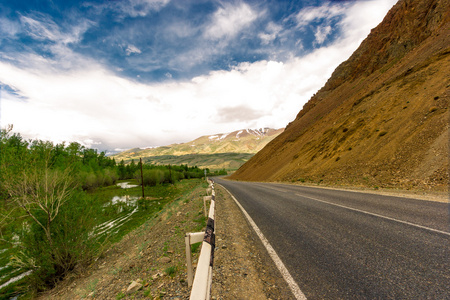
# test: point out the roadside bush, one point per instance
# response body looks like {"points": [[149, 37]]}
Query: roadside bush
{"points": [[92, 180], [112, 176], [152, 177], [89, 181], [54, 239], [71, 245], [177, 176]]}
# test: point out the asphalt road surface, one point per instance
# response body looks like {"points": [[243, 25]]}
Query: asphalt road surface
{"points": [[350, 245]]}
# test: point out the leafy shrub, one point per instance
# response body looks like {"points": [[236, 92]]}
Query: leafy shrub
{"points": [[151, 177], [70, 247]]}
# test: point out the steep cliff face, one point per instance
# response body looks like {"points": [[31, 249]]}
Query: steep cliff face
{"points": [[382, 117]]}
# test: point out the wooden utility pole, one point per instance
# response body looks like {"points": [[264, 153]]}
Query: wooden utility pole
{"points": [[142, 180], [170, 174]]}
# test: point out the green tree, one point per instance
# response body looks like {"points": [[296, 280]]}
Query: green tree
{"points": [[40, 193]]}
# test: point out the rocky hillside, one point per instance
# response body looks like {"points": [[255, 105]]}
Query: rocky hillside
{"points": [[382, 118], [224, 150]]}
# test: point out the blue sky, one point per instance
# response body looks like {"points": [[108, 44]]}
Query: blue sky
{"points": [[136, 73]]}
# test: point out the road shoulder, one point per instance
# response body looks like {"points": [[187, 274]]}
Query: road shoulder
{"points": [[242, 267], [430, 195]]}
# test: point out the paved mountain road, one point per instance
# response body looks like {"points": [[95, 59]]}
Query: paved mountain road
{"points": [[350, 245]]}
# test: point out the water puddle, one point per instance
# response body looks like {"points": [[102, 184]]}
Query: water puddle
{"points": [[17, 278], [127, 185], [107, 227], [122, 202], [129, 201], [4, 267]]}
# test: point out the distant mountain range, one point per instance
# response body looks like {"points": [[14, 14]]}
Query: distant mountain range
{"points": [[217, 151], [382, 119]]}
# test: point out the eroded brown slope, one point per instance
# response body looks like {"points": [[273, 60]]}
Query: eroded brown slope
{"points": [[382, 118]]}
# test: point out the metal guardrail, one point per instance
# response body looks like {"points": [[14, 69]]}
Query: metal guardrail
{"points": [[201, 283]]}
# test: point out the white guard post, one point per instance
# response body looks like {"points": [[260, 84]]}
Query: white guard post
{"points": [[201, 285]]}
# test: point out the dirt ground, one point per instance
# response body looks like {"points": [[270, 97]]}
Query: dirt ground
{"points": [[150, 263]]}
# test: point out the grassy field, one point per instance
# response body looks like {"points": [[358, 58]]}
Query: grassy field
{"points": [[228, 161]]}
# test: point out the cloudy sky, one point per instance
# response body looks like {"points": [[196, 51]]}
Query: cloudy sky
{"points": [[120, 74]]}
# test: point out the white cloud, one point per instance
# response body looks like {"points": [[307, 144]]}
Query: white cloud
{"points": [[138, 8], [132, 49], [8, 28], [271, 33], [89, 104], [41, 27], [56, 42], [363, 16], [95, 104], [229, 20], [41, 30], [313, 13], [321, 34]]}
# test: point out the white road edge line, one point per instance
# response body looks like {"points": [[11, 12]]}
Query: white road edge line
{"points": [[298, 294], [377, 215]]}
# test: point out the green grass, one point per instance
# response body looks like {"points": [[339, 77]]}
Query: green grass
{"points": [[229, 161], [195, 247], [201, 222], [171, 271], [160, 196], [115, 270], [92, 285]]}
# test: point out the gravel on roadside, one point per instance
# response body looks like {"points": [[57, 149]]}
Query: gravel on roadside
{"points": [[242, 267]]}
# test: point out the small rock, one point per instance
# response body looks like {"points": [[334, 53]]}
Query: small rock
{"points": [[165, 259], [133, 287]]}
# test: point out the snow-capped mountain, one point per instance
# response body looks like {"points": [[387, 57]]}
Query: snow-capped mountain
{"points": [[239, 141]]}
